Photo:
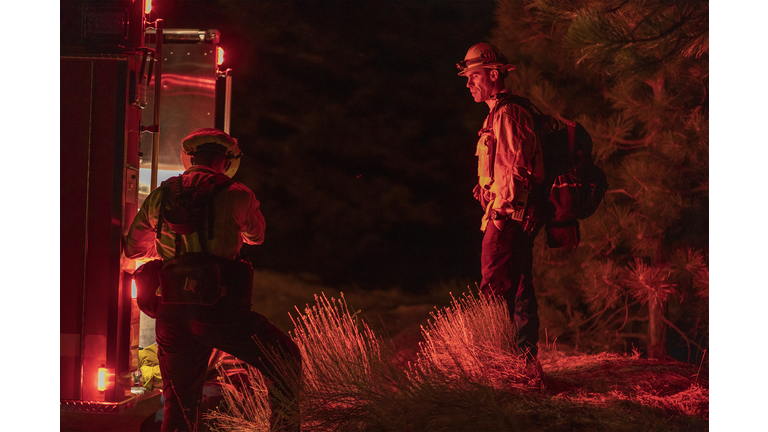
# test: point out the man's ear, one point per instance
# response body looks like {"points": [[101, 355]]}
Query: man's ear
{"points": [[494, 75]]}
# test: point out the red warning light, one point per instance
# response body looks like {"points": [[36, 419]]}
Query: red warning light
{"points": [[102, 383], [219, 56]]}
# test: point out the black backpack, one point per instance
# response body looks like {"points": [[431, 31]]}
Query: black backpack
{"points": [[188, 210], [576, 185], [196, 278]]}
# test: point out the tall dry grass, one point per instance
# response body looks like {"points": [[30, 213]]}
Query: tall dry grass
{"points": [[350, 380], [467, 376], [347, 374], [247, 406], [473, 339]]}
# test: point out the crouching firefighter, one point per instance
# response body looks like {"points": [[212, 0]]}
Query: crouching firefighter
{"points": [[194, 225]]}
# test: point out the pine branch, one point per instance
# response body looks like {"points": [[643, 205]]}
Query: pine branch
{"points": [[631, 144], [634, 335], [595, 315], [660, 35], [680, 332], [625, 309], [621, 5], [641, 184], [626, 312], [684, 19], [645, 18], [613, 191]]}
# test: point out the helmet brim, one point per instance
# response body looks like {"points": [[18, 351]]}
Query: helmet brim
{"points": [[500, 66], [234, 163]]}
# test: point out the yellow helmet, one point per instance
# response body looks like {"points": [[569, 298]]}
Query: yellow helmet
{"points": [[202, 137], [484, 55]]}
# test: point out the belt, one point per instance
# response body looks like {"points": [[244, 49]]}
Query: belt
{"points": [[516, 215], [494, 215]]}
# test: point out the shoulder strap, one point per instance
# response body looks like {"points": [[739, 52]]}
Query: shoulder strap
{"points": [[501, 100], [524, 103], [538, 117], [571, 141], [221, 182], [166, 189], [179, 188]]}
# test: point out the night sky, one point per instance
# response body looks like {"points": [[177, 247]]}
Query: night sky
{"points": [[359, 136]]}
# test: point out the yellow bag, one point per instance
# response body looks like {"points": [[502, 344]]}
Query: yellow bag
{"points": [[150, 367]]}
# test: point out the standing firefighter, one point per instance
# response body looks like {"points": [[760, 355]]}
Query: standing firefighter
{"points": [[510, 171], [196, 224]]}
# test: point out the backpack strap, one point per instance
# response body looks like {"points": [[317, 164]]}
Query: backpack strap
{"points": [[179, 184], [159, 226], [571, 141], [177, 241], [221, 182], [538, 192], [167, 190], [524, 103], [501, 100], [210, 219], [174, 187]]}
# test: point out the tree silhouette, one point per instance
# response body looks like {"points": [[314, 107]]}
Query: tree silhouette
{"points": [[635, 74]]}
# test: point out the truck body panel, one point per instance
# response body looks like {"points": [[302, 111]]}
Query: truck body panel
{"points": [[106, 131]]}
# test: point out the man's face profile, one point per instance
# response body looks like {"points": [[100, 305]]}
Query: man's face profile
{"points": [[480, 84]]}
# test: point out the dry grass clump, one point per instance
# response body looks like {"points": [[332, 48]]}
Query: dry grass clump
{"points": [[247, 405], [693, 401], [607, 378], [474, 339], [347, 374], [334, 345]]}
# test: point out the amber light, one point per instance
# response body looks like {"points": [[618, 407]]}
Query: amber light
{"points": [[147, 6], [102, 383], [133, 289], [219, 56]]}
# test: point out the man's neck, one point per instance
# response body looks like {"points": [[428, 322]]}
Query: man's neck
{"points": [[202, 167], [494, 99]]}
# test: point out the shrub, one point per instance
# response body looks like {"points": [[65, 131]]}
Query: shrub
{"points": [[473, 339]]}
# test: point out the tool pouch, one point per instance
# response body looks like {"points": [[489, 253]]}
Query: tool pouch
{"points": [[147, 279], [193, 278]]}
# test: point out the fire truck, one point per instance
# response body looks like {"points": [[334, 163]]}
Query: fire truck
{"points": [[130, 91]]}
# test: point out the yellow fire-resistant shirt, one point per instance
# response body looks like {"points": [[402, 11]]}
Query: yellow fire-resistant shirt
{"points": [[237, 219], [509, 156]]}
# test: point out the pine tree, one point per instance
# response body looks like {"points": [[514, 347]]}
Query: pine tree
{"points": [[635, 74]]}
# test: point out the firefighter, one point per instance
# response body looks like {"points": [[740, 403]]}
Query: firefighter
{"points": [[510, 170], [187, 334]]}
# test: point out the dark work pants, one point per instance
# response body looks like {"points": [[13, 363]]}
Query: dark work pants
{"points": [[186, 336], [506, 262]]}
